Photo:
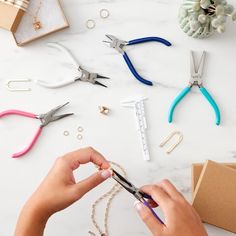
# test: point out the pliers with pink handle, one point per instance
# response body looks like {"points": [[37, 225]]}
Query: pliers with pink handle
{"points": [[45, 119]]}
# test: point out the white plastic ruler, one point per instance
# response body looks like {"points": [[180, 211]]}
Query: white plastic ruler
{"points": [[140, 117]]}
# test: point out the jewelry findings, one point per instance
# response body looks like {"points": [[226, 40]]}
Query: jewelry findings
{"points": [[80, 129], [79, 136], [104, 13], [104, 110], [90, 24], [16, 89], [36, 22], [110, 195], [66, 133], [172, 135]]}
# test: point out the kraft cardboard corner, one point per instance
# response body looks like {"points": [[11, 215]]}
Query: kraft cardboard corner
{"points": [[215, 194], [10, 17], [197, 169], [25, 32]]}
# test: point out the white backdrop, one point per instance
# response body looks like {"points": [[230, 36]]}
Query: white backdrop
{"points": [[116, 135]]}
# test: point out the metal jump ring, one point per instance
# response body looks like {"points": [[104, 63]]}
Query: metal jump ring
{"points": [[90, 24], [104, 13], [80, 129], [66, 133]]}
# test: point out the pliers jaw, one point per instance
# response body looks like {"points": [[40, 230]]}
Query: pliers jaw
{"points": [[196, 71], [196, 80], [128, 186], [50, 116], [116, 43], [86, 76]]}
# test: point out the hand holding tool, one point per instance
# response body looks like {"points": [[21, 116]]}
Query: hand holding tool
{"points": [[138, 194], [120, 44], [196, 80], [45, 119], [84, 75]]}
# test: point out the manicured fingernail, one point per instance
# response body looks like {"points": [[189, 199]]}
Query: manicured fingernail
{"points": [[138, 206], [106, 174]]}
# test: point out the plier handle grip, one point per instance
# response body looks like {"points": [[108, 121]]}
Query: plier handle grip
{"points": [[119, 45], [196, 80]]}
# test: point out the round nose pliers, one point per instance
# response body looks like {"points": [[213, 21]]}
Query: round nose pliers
{"points": [[196, 80], [83, 75], [120, 44], [45, 119]]}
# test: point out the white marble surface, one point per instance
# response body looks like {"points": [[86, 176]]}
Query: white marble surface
{"points": [[116, 135]]}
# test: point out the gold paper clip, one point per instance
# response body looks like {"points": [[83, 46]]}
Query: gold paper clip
{"points": [[12, 89], [175, 133]]}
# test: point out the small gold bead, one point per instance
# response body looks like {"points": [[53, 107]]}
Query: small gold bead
{"points": [[104, 110], [37, 25]]}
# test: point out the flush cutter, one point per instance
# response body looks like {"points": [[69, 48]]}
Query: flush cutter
{"points": [[45, 119], [196, 80], [137, 193], [84, 75], [120, 44]]}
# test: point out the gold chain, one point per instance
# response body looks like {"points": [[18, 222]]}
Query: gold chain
{"points": [[110, 195], [36, 22]]}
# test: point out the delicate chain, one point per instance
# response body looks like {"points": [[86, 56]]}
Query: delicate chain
{"points": [[35, 15], [110, 195], [36, 23]]}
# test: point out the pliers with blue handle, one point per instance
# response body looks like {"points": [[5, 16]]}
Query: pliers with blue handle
{"points": [[120, 44], [196, 80]]}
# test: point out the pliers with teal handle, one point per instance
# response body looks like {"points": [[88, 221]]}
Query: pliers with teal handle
{"points": [[196, 80], [120, 44]]}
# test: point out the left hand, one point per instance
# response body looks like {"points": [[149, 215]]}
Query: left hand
{"points": [[59, 189]]}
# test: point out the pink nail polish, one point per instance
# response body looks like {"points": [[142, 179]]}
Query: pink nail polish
{"points": [[106, 174], [138, 206]]}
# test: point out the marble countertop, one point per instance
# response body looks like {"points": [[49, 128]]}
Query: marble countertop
{"points": [[115, 135]]}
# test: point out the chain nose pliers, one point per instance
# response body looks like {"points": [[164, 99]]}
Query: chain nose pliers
{"points": [[45, 119], [137, 193]]}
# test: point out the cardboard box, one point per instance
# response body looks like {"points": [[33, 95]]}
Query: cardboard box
{"points": [[10, 16], [51, 20], [197, 170], [215, 195]]}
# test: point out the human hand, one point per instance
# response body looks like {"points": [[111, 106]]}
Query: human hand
{"points": [[59, 189], [180, 217]]}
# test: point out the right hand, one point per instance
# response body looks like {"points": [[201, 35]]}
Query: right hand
{"points": [[180, 217]]}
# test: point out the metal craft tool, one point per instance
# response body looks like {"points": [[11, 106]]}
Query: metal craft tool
{"points": [[196, 80], [137, 193], [45, 119], [119, 45], [83, 75]]}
